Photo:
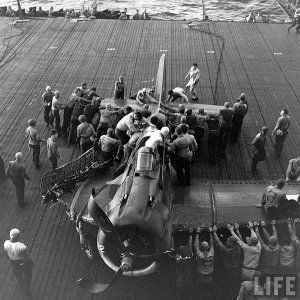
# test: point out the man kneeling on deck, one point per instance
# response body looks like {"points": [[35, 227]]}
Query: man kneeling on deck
{"points": [[177, 93], [272, 198]]}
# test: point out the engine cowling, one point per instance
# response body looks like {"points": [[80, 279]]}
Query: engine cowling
{"points": [[142, 214]]}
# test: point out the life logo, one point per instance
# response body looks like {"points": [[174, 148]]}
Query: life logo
{"points": [[283, 286]]}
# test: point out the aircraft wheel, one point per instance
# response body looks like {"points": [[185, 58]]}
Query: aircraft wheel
{"points": [[90, 250]]}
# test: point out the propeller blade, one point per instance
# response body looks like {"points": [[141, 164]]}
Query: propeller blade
{"points": [[99, 216], [97, 287], [158, 256], [104, 222], [183, 252]]}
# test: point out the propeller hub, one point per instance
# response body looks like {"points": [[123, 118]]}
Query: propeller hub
{"points": [[127, 262]]}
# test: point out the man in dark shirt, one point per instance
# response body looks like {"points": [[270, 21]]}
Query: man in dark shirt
{"points": [[259, 143], [201, 126], [182, 148], [17, 172], [78, 110], [75, 96], [232, 255], [226, 113], [281, 130], [109, 145], [213, 136], [240, 109], [146, 112]]}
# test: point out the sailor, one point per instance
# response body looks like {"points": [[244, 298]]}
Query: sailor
{"points": [[84, 90], [34, 141], [259, 143], [146, 112], [94, 6], [205, 261], [157, 137], [52, 151], [191, 121], [251, 249], [250, 18], [91, 111], [270, 250], [123, 15], [194, 75], [85, 134], [175, 114], [183, 156], [185, 130], [47, 102], [281, 130], [258, 18], [128, 123], [213, 135], [120, 88], [143, 96], [225, 128], [69, 109], [272, 198], [92, 93], [16, 171], [293, 170], [137, 15], [55, 107], [109, 145], [106, 119], [201, 125], [177, 93], [145, 15], [77, 110], [240, 109], [232, 255], [19, 260]]}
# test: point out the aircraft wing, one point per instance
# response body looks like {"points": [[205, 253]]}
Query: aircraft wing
{"points": [[159, 92], [219, 202], [208, 108]]}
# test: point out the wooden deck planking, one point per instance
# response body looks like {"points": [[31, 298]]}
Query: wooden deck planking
{"points": [[249, 65]]}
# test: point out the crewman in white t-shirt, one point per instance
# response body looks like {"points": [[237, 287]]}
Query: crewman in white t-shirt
{"points": [[19, 259]]}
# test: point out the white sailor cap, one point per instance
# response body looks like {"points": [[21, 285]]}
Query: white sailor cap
{"points": [[14, 233]]}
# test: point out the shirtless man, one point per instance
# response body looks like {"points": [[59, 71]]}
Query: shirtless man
{"points": [[176, 93], [143, 95]]}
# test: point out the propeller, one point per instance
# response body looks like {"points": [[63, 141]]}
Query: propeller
{"points": [[127, 257], [97, 287], [104, 222], [181, 253]]}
